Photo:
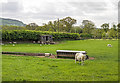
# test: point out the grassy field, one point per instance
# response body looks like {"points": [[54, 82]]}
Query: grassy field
{"points": [[28, 68]]}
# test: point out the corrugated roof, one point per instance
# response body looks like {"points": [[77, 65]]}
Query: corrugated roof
{"points": [[71, 51]]}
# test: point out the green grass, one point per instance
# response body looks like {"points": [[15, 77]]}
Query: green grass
{"points": [[28, 68]]}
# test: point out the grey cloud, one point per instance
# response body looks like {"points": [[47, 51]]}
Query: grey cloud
{"points": [[90, 7], [11, 7], [53, 10], [56, 9], [119, 12]]}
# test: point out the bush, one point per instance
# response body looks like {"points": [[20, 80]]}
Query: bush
{"points": [[85, 35], [25, 35], [19, 35]]}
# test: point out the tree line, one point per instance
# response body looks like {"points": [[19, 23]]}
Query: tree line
{"points": [[87, 29]]}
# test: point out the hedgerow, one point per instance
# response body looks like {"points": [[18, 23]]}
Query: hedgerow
{"points": [[11, 35]]}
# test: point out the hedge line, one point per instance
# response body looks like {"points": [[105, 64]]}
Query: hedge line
{"points": [[25, 35], [86, 35]]}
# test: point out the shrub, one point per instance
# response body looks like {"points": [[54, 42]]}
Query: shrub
{"points": [[85, 35], [35, 35]]}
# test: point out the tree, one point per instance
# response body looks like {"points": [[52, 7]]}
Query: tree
{"points": [[45, 27], [97, 33], [104, 35], [39, 28], [112, 33], [52, 26], [118, 25], [62, 27], [105, 26], [76, 29], [88, 26], [114, 27], [68, 22], [32, 26]]}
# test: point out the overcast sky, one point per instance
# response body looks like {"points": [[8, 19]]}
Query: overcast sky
{"points": [[42, 11]]}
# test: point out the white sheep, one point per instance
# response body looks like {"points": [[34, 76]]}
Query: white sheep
{"points": [[47, 54], [14, 42], [40, 44], [34, 42], [2, 44], [10, 42], [81, 58], [109, 45], [38, 41]]}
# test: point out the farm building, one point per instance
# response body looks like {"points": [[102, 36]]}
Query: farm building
{"points": [[46, 39], [68, 53]]}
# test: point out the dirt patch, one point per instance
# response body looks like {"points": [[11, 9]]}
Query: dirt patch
{"points": [[52, 56], [14, 55], [40, 56], [22, 53], [91, 58]]}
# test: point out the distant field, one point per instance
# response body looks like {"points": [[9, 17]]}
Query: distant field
{"points": [[28, 68]]}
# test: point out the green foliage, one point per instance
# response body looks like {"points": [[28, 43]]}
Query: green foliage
{"points": [[64, 26], [87, 30], [112, 33], [68, 22], [88, 26], [97, 33], [35, 35], [20, 35], [104, 35], [31, 26], [114, 27], [86, 35], [105, 26], [76, 30]]}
